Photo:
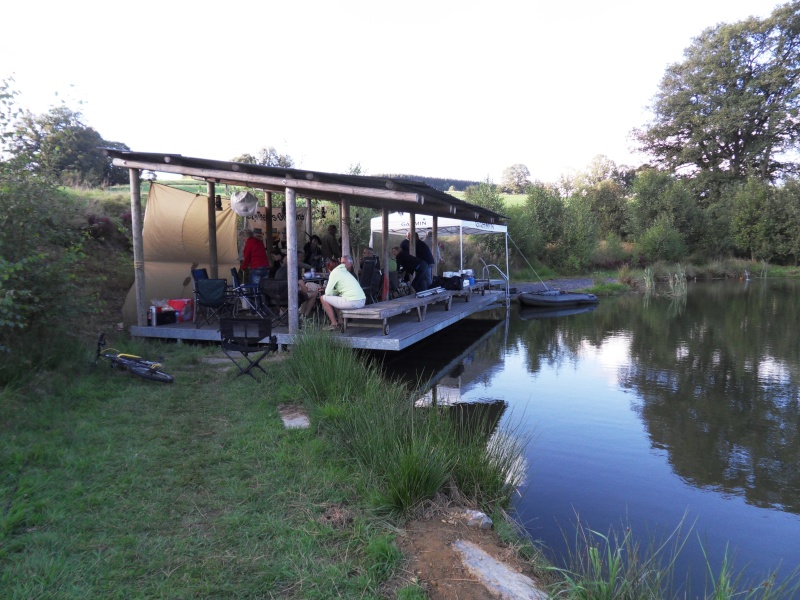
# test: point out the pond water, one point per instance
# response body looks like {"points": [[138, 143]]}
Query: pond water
{"points": [[646, 413]]}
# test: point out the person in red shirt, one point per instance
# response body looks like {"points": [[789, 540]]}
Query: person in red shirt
{"points": [[254, 256]]}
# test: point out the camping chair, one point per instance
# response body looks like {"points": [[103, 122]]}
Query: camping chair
{"points": [[370, 279], [197, 274], [275, 298], [248, 296], [213, 300], [252, 338]]}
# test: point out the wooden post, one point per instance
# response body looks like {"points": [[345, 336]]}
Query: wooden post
{"points": [[412, 234], [291, 260], [345, 221], [309, 222], [268, 225], [386, 249], [137, 227], [213, 265], [435, 246]]}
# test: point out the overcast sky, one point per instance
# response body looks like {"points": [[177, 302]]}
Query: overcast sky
{"points": [[457, 89]]}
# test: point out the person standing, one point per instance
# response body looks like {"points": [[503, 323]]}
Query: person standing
{"points": [[254, 256], [331, 247], [342, 291]]}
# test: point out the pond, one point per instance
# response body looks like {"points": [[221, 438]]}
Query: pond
{"points": [[646, 413]]}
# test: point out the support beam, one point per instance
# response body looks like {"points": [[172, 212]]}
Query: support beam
{"points": [[302, 185], [345, 229], [309, 223], [435, 246], [291, 260], [213, 265], [385, 250], [137, 227], [268, 225]]}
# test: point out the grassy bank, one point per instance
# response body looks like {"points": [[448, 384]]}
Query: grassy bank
{"points": [[115, 487]]}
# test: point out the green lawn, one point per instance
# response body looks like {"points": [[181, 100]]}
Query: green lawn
{"points": [[116, 487]]}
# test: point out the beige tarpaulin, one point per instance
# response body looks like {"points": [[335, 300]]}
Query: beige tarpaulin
{"points": [[176, 241]]}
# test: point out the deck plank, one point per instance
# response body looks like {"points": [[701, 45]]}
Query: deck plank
{"points": [[405, 330]]}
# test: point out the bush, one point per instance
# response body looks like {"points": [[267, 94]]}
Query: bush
{"points": [[662, 242]]}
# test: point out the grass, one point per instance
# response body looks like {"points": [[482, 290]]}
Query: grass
{"points": [[116, 487]]}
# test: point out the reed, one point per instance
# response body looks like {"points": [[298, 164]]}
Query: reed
{"points": [[409, 454]]}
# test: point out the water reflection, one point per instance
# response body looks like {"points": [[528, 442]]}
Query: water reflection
{"points": [[644, 412]]}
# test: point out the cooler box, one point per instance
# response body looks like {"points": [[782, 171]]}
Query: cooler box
{"points": [[184, 309]]}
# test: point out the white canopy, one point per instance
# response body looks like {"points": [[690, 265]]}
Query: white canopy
{"points": [[400, 223]]}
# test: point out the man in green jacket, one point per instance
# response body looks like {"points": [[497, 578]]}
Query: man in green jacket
{"points": [[342, 291]]}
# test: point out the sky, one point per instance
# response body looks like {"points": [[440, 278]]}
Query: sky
{"points": [[452, 89]]}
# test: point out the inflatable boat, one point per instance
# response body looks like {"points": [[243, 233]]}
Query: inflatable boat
{"points": [[555, 298]]}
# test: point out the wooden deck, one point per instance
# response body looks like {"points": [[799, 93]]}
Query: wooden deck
{"points": [[406, 329]]}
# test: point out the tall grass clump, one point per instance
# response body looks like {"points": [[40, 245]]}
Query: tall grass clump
{"points": [[409, 454], [617, 566]]}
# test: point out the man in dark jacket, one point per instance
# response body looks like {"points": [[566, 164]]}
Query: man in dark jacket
{"points": [[423, 253], [419, 270]]}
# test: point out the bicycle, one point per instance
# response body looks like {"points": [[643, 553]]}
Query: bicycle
{"points": [[146, 369]]}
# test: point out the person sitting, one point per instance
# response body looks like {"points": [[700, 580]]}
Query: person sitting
{"points": [[417, 269], [368, 253], [254, 256], [312, 253], [342, 291], [277, 261], [306, 297]]}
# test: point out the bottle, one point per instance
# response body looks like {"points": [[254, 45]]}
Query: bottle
{"points": [[153, 320]]}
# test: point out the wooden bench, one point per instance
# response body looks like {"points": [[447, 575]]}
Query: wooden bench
{"points": [[383, 311]]}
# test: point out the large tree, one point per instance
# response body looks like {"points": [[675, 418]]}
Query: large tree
{"points": [[732, 107], [515, 179], [60, 144]]}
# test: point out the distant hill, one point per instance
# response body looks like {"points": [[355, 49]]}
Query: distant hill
{"points": [[437, 183]]}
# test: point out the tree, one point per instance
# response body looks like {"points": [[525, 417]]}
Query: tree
{"points": [[515, 179], [266, 157], [732, 107], [59, 143], [487, 195]]}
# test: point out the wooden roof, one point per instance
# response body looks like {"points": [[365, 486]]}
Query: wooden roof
{"points": [[394, 194]]}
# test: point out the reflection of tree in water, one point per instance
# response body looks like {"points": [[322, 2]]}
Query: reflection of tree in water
{"points": [[717, 383], [718, 389]]}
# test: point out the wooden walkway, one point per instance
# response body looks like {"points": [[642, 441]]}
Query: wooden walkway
{"points": [[406, 329]]}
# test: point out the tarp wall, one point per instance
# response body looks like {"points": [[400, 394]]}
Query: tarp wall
{"points": [[176, 241]]}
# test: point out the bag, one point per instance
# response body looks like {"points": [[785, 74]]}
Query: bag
{"points": [[453, 283]]}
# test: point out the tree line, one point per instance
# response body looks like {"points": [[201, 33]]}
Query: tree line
{"points": [[723, 176]]}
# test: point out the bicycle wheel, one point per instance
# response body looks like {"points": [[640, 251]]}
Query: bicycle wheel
{"points": [[151, 374]]}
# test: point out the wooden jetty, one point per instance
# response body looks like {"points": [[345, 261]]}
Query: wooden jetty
{"points": [[406, 329]]}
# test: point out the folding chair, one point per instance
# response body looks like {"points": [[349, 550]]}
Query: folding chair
{"points": [[249, 296], [246, 336], [275, 296], [197, 274], [370, 279], [213, 300]]}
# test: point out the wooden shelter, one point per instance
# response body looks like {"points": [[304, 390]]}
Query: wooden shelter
{"points": [[380, 193]]}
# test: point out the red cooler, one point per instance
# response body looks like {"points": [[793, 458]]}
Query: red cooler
{"points": [[184, 309]]}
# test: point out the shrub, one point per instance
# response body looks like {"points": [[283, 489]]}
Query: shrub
{"points": [[662, 242]]}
